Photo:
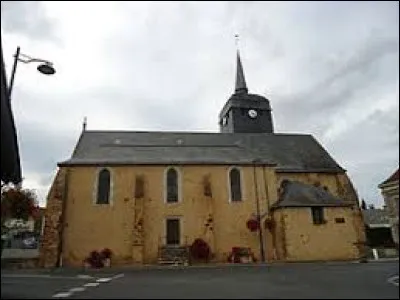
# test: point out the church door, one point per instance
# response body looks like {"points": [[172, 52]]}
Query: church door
{"points": [[173, 232]]}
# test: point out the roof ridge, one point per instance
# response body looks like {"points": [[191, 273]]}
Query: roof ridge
{"points": [[196, 132], [392, 178]]}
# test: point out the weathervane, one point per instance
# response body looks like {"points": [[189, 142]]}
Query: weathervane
{"points": [[237, 40], [84, 123]]}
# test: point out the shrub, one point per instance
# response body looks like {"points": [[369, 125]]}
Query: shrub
{"points": [[95, 260], [200, 250]]}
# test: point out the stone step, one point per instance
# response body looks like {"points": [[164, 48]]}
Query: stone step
{"points": [[173, 262], [173, 255]]}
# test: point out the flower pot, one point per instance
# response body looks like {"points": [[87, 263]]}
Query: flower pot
{"points": [[107, 263], [244, 259], [86, 265]]}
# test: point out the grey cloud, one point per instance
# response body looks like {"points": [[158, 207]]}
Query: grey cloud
{"points": [[369, 151], [175, 113], [370, 70], [27, 18], [42, 147]]}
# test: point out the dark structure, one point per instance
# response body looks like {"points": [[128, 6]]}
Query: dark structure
{"points": [[377, 228], [244, 112], [10, 161], [298, 194]]}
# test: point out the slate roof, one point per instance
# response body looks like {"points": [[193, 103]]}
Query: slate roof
{"points": [[289, 152], [375, 216], [393, 178], [298, 194]]}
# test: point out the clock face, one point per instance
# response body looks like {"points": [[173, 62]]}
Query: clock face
{"points": [[252, 113]]}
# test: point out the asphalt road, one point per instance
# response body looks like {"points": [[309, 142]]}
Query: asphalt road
{"points": [[301, 281]]}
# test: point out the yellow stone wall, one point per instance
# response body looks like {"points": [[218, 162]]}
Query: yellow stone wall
{"points": [[94, 227], [89, 227], [329, 241]]}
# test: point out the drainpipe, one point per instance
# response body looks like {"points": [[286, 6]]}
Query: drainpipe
{"points": [[268, 204], [266, 188], [260, 233]]}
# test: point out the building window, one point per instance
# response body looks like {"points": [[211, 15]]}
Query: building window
{"points": [[139, 186], [103, 187], [172, 186], [235, 185], [173, 231], [339, 220], [318, 215]]}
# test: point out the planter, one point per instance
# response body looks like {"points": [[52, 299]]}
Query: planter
{"points": [[107, 262], [86, 265], [241, 255], [245, 259]]}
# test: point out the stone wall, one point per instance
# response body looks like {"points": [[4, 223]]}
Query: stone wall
{"points": [[90, 226], [49, 246], [341, 186], [301, 240], [133, 225], [390, 193]]}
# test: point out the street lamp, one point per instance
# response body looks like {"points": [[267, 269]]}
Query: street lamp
{"points": [[45, 67]]}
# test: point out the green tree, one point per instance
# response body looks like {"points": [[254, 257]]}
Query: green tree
{"points": [[17, 203]]}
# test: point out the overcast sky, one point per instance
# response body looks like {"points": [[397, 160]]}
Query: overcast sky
{"points": [[329, 68]]}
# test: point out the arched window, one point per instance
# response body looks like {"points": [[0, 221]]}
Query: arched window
{"points": [[172, 186], [235, 185], [103, 187]]}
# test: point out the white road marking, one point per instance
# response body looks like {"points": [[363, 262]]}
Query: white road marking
{"points": [[77, 289], [394, 280], [118, 276], [90, 284], [103, 279], [62, 295], [39, 276]]}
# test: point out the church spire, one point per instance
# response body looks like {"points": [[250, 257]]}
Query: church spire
{"points": [[240, 85]]}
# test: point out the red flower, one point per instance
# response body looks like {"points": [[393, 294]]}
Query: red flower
{"points": [[106, 253], [253, 225]]}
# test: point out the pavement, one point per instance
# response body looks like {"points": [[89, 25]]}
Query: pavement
{"points": [[375, 280]]}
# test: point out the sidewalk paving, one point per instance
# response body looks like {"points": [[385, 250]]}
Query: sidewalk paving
{"points": [[136, 268]]}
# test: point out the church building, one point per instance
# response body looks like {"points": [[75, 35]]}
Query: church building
{"points": [[280, 196]]}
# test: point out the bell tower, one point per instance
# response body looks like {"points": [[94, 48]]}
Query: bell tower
{"points": [[244, 112]]}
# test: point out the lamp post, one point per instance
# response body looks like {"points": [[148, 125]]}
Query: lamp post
{"points": [[45, 67]]}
